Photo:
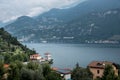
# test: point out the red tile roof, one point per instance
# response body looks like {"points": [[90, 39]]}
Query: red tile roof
{"points": [[54, 68], [6, 65], [99, 64]]}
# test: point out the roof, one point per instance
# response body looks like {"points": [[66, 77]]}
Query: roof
{"points": [[55, 68], [6, 65], [64, 71], [99, 64]]}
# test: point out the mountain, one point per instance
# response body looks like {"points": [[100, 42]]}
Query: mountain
{"points": [[2, 24], [12, 50], [80, 10], [21, 23], [90, 21]]}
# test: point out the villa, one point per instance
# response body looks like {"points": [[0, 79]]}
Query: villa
{"points": [[39, 58], [97, 68], [35, 57], [47, 57]]}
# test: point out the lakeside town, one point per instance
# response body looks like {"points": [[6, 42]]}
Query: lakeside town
{"points": [[94, 71], [59, 39], [97, 68], [17, 62]]}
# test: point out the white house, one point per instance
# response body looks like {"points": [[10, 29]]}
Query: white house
{"points": [[35, 57], [48, 57]]}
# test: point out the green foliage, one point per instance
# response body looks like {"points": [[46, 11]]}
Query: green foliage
{"points": [[81, 73], [2, 70], [14, 53], [109, 74], [33, 65], [12, 50], [51, 61], [28, 74], [53, 76], [7, 57], [50, 74], [46, 69], [31, 71], [14, 72]]}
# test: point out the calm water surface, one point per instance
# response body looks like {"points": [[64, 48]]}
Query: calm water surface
{"points": [[67, 55]]}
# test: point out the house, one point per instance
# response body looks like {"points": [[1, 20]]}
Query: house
{"points": [[97, 68], [35, 57], [48, 57], [5, 75], [39, 58], [64, 73], [6, 66]]}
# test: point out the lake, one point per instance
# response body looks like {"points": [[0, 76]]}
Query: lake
{"points": [[67, 55]]}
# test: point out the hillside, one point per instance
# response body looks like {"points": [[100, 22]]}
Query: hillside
{"points": [[88, 22], [11, 50]]}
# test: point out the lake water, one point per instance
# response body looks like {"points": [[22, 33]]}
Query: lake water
{"points": [[67, 55]]}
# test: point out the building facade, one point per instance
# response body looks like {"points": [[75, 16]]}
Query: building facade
{"points": [[48, 57], [97, 68], [35, 57], [65, 73]]}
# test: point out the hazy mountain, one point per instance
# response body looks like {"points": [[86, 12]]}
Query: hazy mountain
{"points": [[2, 24], [92, 20], [79, 10]]}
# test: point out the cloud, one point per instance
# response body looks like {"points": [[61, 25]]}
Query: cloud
{"points": [[11, 9], [35, 11]]}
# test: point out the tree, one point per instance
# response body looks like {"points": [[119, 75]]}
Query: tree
{"points": [[38, 75], [81, 73], [26, 74], [19, 65], [109, 74], [46, 69], [2, 70], [53, 76], [33, 71], [50, 74], [14, 72], [7, 58], [33, 65]]}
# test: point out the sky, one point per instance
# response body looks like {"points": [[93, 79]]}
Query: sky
{"points": [[11, 9]]}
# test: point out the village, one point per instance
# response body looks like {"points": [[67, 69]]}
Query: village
{"points": [[95, 67]]}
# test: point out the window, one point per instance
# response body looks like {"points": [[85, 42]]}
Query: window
{"points": [[98, 77], [98, 71]]}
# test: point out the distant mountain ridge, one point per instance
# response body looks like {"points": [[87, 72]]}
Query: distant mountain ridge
{"points": [[91, 21]]}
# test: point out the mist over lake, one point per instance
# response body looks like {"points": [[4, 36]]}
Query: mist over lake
{"points": [[67, 55]]}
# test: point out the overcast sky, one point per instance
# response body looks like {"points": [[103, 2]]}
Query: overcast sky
{"points": [[11, 9]]}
